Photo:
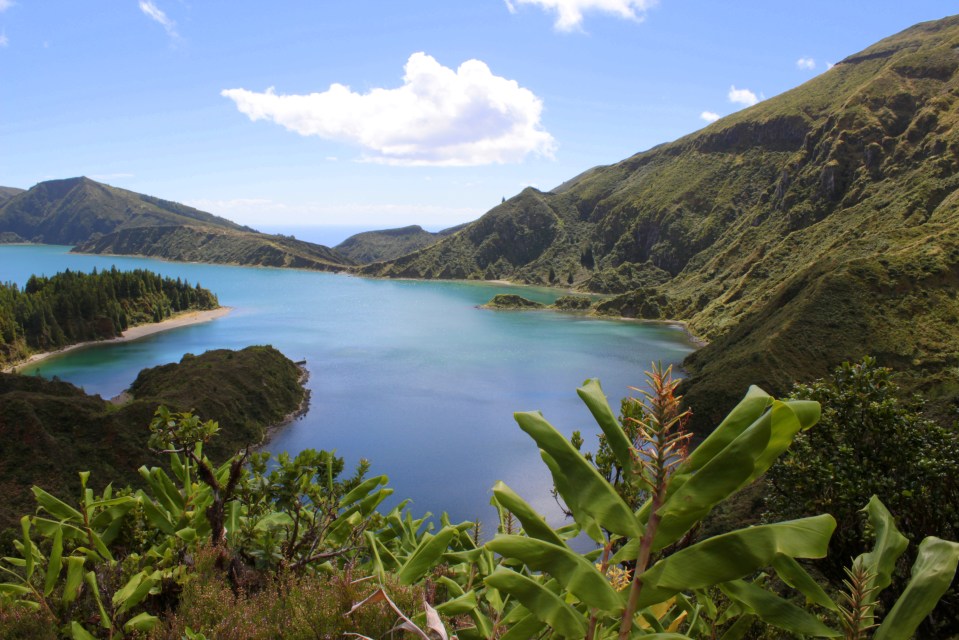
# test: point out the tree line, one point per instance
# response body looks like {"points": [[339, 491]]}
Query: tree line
{"points": [[51, 312]]}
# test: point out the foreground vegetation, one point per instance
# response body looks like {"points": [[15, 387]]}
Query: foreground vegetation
{"points": [[72, 307], [294, 548], [55, 429]]}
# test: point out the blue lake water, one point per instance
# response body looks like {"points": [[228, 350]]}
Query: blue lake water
{"points": [[411, 375]]}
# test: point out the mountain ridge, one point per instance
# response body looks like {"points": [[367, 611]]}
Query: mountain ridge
{"points": [[841, 190], [99, 218], [388, 244]]}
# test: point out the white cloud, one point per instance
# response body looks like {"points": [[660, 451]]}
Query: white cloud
{"points": [[569, 13], [5, 4], [156, 14], [709, 116], [806, 64], [4, 40], [829, 65], [742, 96], [440, 116]]}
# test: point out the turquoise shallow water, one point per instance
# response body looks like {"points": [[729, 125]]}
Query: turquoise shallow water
{"points": [[408, 374]]}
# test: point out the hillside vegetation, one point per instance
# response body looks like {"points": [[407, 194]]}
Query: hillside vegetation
{"points": [[8, 192], [387, 244], [217, 245], [77, 209], [812, 228], [59, 430], [72, 307], [98, 218]]}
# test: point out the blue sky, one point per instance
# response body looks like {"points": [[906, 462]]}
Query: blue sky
{"points": [[387, 113]]}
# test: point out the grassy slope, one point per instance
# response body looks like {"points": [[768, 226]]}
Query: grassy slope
{"points": [[389, 244], [104, 219], [813, 227], [76, 209], [222, 246], [60, 430], [8, 192]]}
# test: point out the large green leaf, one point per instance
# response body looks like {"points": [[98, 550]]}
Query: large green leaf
{"points": [[739, 628], [459, 605], [77, 632], [540, 601], [776, 611], [792, 573], [533, 523], [578, 481], [74, 578], [592, 395], [753, 405], [735, 555], [54, 563], [932, 573], [141, 622], [429, 552], [135, 590], [572, 570], [738, 464], [889, 545], [524, 629], [8, 588], [157, 517], [362, 490], [91, 579], [164, 491], [28, 550], [55, 506]]}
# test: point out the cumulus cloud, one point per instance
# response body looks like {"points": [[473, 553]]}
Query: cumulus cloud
{"points": [[439, 116], [806, 64], [742, 96], [709, 116], [156, 14], [5, 4], [569, 13]]}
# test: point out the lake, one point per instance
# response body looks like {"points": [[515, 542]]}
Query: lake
{"points": [[409, 374]]}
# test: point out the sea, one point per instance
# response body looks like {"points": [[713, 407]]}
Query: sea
{"points": [[410, 375]]}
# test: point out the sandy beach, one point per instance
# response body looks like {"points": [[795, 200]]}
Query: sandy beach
{"points": [[133, 333]]}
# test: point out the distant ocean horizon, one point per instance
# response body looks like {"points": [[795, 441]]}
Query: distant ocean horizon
{"points": [[332, 235]]}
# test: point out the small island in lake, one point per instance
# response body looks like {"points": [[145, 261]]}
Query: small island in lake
{"points": [[512, 301]]}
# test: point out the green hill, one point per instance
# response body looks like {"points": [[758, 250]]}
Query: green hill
{"points": [[389, 244], [60, 430], [78, 209], [218, 245], [812, 228], [98, 218], [8, 192]]}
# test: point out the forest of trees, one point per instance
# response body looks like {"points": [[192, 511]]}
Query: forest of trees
{"points": [[70, 307]]}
